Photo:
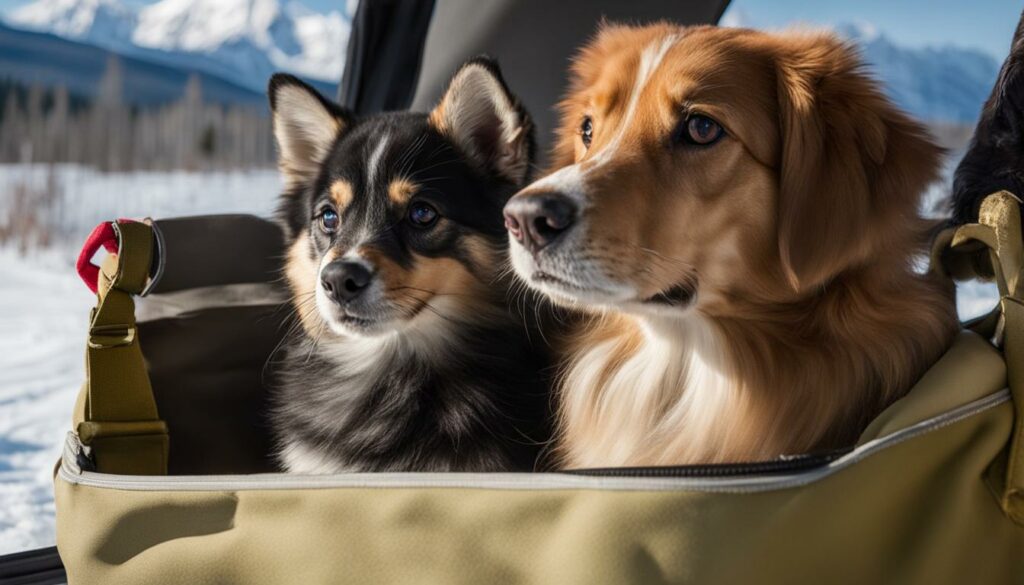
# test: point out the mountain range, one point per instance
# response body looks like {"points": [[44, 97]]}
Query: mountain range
{"points": [[42, 58], [940, 84], [240, 41], [946, 84]]}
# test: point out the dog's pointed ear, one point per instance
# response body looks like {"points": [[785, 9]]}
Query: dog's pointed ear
{"points": [[305, 127], [482, 117], [852, 166]]}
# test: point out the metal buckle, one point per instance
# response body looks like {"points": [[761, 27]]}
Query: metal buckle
{"points": [[107, 336]]}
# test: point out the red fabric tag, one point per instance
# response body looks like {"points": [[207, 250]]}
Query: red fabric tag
{"points": [[103, 235]]}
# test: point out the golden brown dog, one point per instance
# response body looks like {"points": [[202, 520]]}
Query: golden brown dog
{"points": [[739, 213]]}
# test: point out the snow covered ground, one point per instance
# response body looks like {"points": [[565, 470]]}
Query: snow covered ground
{"points": [[43, 311]]}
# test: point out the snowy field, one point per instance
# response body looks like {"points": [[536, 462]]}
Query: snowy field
{"points": [[43, 311], [84, 197]]}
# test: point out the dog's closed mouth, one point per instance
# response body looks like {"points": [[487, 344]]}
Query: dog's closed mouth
{"points": [[679, 295], [353, 321], [546, 278]]}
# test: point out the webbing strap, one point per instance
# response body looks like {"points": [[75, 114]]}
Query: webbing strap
{"points": [[999, 233], [116, 416], [1013, 348]]}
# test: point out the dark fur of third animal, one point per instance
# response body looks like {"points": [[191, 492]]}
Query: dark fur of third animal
{"points": [[410, 352], [995, 159]]}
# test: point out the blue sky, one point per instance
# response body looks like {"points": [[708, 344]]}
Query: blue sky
{"points": [[981, 24]]}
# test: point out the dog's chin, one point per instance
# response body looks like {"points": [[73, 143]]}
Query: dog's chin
{"points": [[348, 325], [675, 301], [567, 289], [586, 289], [564, 287], [358, 322]]}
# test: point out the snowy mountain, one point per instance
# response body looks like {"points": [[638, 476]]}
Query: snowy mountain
{"points": [[103, 22], [242, 40], [939, 84], [944, 84]]}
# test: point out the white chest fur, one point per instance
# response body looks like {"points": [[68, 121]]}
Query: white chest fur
{"points": [[662, 394]]}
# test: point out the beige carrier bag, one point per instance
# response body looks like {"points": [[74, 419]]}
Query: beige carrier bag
{"points": [[164, 478]]}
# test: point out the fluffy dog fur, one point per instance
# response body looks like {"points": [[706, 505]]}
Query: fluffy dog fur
{"points": [[428, 367], [752, 297]]}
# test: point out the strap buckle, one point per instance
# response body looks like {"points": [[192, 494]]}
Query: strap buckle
{"points": [[107, 336]]}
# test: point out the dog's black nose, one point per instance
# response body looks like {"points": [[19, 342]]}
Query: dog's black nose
{"points": [[536, 220], [343, 280]]}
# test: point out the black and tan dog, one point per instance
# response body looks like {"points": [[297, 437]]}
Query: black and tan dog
{"points": [[411, 355]]}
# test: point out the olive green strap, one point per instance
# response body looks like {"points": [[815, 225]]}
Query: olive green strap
{"points": [[994, 248], [1013, 486], [117, 416], [1001, 214]]}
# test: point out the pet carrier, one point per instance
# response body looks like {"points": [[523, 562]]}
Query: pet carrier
{"points": [[160, 482]]}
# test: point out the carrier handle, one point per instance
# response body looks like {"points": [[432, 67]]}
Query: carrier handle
{"points": [[999, 233], [116, 415]]}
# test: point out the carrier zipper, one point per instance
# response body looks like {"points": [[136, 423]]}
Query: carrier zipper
{"points": [[786, 464], [746, 478]]}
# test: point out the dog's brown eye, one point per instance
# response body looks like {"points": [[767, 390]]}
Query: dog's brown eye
{"points": [[422, 215], [700, 130], [587, 131], [329, 220]]}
